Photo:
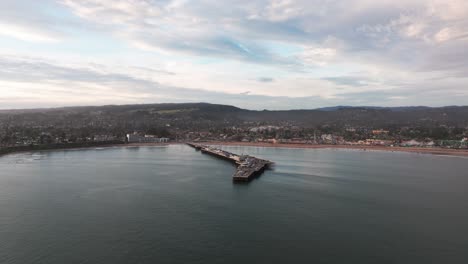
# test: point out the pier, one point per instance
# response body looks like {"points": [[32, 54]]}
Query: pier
{"points": [[247, 166]]}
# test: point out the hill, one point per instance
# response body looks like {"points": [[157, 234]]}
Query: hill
{"points": [[213, 113], [178, 120]]}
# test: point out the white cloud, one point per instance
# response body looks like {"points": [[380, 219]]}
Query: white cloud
{"points": [[27, 33], [114, 12], [318, 56], [280, 10], [447, 34], [320, 49], [450, 10]]}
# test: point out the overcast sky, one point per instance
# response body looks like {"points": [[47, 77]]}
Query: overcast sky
{"points": [[256, 54]]}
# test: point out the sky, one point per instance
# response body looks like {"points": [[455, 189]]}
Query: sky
{"points": [[254, 54]]}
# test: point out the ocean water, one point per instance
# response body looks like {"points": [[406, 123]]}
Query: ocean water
{"points": [[175, 205]]}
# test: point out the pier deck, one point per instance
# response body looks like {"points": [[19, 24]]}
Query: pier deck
{"points": [[247, 166]]}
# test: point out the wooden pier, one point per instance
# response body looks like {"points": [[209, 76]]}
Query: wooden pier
{"points": [[247, 166]]}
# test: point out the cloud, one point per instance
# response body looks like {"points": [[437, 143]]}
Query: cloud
{"points": [[24, 21], [265, 79], [27, 34], [320, 52], [36, 82], [238, 30], [348, 80]]}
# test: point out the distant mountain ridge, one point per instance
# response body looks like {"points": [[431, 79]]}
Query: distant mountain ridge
{"points": [[223, 107], [393, 108]]}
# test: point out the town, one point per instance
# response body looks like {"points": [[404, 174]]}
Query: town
{"points": [[179, 123], [405, 137]]}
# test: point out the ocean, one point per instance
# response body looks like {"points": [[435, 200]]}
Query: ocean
{"points": [[172, 204]]}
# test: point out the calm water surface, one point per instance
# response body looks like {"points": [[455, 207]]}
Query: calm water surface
{"points": [[174, 205]]}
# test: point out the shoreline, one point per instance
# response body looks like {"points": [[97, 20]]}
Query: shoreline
{"points": [[36, 148], [103, 146], [420, 150]]}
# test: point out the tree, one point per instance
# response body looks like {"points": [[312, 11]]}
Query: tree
{"points": [[439, 133]]}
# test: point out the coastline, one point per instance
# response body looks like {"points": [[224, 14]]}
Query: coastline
{"points": [[24, 149], [6, 152], [420, 150]]}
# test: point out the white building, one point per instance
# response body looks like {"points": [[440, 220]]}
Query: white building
{"points": [[412, 143], [135, 138]]}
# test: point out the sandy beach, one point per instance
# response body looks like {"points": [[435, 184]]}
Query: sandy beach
{"points": [[434, 151]]}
